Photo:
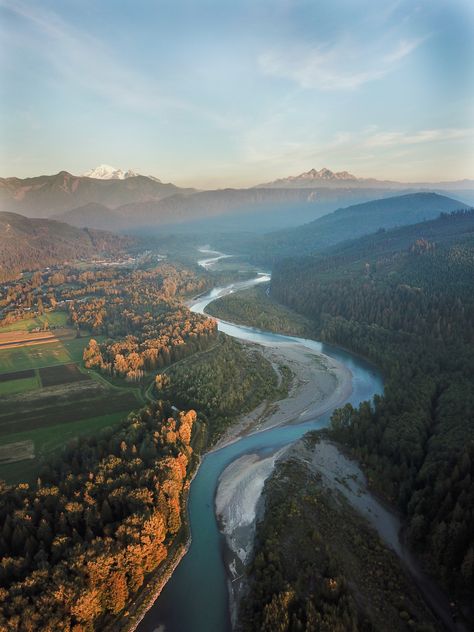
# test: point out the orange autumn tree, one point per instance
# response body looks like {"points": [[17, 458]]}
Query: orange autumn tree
{"points": [[75, 549]]}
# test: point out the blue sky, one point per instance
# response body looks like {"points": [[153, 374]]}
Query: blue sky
{"points": [[231, 93]]}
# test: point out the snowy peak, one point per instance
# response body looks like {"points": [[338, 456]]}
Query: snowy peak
{"points": [[322, 174], [106, 172], [324, 178]]}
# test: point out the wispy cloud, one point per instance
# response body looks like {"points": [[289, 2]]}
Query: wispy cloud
{"points": [[79, 58], [342, 65], [403, 49], [391, 139], [368, 147]]}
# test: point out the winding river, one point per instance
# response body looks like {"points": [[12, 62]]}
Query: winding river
{"points": [[196, 599]]}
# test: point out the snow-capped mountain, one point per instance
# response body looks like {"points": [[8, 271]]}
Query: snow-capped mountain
{"points": [[106, 172], [323, 174], [314, 178], [325, 178]]}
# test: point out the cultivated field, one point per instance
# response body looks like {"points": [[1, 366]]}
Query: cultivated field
{"points": [[13, 339], [61, 374], [19, 451], [37, 356], [54, 319], [47, 398]]}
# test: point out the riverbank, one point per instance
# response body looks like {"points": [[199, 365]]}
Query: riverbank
{"points": [[241, 503], [238, 507], [319, 384], [151, 590], [323, 551], [201, 576]]}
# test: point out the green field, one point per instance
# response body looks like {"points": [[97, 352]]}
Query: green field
{"points": [[49, 440], [19, 386], [48, 354], [76, 403], [54, 319]]}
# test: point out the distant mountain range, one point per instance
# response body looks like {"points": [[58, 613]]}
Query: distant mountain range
{"points": [[45, 196], [344, 224], [223, 210], [31, 244], [122, 200], [342, 179]]}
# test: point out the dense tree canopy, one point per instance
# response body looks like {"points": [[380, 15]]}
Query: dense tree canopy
{"points": [[77, 545], [407, 303]]}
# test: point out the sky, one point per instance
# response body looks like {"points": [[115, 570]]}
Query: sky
{"points": [[215, 93]]}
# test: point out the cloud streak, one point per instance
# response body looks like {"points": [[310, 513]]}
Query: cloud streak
{"points": [[393, 139], [80, 59], [336, 66]]}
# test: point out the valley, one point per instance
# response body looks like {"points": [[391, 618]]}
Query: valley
{"points": [[118, 340], [237, 316]]}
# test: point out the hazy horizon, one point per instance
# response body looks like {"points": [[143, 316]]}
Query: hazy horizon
{"points": [[252, 184], [236, 94]]}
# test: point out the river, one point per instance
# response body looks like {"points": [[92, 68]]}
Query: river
{"points": [[196, 599]]}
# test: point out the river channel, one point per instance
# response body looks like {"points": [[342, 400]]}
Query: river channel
{"points": [[196, 598]]}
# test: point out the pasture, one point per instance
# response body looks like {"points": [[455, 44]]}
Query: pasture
{"points": [[41, 355], [54, 319], [19, 385], [50, 440], [47, 399]]}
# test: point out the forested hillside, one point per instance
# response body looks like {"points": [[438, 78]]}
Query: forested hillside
{"points": [[30, 244], [405, 299], [346, 223]]}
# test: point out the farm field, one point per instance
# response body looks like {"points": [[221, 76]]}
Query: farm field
{"points": [[47, 399], [10, 387], [51, 417], [54, 319], [49, 440], [18, 339], [61, 374], [37, 356], [82, 405]]}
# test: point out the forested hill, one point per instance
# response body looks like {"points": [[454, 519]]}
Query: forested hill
{"points": [[29, 244], [387, 247], [405, 299], [350, 222]]}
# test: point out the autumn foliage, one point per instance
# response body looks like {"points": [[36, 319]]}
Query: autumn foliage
{"points": [[76, 546]]}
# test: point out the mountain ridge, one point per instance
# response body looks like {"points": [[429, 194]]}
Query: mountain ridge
{"points": [[45, 196], [325, 177], [32, 243], [349, 222]]}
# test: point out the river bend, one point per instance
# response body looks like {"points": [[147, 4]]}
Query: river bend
{"points": [[196, 599]]}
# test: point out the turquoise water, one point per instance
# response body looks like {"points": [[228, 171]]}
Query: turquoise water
{"points": [[195, 599]]}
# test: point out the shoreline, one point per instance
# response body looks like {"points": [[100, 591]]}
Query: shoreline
{"points": [[311, 370], [239, 538], [155, 585], [247, 425]]}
